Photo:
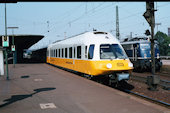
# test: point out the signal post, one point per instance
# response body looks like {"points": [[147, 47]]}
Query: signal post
{"points": [[153, 80], [5, 39]]}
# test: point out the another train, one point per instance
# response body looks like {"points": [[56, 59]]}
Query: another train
{"points": [[93, 54], [138, 50]]}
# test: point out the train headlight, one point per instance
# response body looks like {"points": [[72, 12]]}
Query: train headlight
{"points": [[109, 66], [130, 64], [145, 55], [157, 55]]}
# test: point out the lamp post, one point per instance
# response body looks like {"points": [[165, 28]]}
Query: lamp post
{"points": [[6, 51], [13, 44]]}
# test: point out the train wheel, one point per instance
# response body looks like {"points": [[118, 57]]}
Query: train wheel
{"points": [[123, 84], [113, 82]]}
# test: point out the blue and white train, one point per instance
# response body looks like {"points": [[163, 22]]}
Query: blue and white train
{"points": [[138, 50]]}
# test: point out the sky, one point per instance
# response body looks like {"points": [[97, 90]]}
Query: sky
{"points": [[59, 20]]}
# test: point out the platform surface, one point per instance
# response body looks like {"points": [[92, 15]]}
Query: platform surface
{"points": [[42, 88]]}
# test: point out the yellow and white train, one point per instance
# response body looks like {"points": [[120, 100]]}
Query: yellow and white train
{"points": [[94, 54]]}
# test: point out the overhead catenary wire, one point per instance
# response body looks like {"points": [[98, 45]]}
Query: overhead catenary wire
{"points": [[88, 12], [70, 22], [68, 25]]}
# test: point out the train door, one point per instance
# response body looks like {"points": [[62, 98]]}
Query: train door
{"points": [[135, 46]]}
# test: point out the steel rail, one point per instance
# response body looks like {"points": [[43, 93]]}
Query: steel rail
{"points": [[148, 98], [163, 83]]}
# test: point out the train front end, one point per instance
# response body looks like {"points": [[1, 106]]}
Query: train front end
{"points": [[113, 64], [145, 53]]}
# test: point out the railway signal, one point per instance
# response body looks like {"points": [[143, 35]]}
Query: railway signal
{"points": [[13, 48], [147, 32], [5, 41], [153, 80], [149, 14]]}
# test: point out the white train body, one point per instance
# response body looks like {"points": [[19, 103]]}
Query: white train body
{"points": [[91, 53]]}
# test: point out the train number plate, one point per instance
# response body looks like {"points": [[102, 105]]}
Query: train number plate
{"points": [[120, 64]]}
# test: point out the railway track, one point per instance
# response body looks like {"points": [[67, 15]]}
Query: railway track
{"points": [[141, 79], [165, 84], [126, 90], [164, 74], [159, 102], [148, 98]]}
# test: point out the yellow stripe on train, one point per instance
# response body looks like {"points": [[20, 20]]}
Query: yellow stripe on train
{"points": [[99, 67]]}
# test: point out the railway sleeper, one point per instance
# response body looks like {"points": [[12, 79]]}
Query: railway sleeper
{"points": [[165, 84]]}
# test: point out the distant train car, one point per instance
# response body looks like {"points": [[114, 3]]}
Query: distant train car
{"points": [[94, 54], [139, 52]]}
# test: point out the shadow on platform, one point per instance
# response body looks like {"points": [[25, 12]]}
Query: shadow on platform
{"points": [[15, 98]]}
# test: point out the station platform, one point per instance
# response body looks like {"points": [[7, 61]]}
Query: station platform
{"points": [[42, 88]]}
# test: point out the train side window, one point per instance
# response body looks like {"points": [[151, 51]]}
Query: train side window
{"points": [[70, 52], [85, 51], [79, 52], [53, 53], [59, 53], [65, 52], [62, 53], [128, 47], [56, 53], [91, 52]]}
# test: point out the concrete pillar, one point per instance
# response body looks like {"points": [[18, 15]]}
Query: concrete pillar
{"points": [[1, 62]]}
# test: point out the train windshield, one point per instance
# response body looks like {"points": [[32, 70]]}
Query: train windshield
{"points": [[145, 46], [112, 51], [148, 46]]}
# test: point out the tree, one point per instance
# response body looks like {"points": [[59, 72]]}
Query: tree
{"points": [[164, 42]]}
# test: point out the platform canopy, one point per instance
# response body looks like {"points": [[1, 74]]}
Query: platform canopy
{"points": [[22, 42]]}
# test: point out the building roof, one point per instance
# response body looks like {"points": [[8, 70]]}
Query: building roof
{"points": [[23, 41]]}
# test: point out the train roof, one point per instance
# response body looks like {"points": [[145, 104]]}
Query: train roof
{"points": [[93, 37], [134, 42]]}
